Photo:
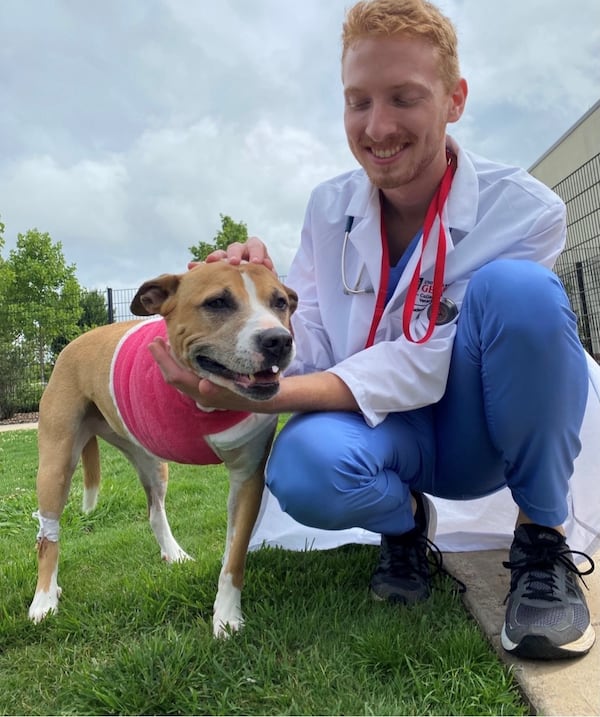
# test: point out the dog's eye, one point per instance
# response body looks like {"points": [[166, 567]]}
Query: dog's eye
{"points": [[219, 303], [280, 303]]}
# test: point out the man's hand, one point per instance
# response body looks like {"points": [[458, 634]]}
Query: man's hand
{"points": [[173, 372], [253, 251]]}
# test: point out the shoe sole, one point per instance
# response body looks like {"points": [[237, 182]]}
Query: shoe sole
{"points": [[539, 647]]}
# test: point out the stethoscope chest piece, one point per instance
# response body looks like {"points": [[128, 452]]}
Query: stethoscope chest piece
{"points": [[447, 312]]}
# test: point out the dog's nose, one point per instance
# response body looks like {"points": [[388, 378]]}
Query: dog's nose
{"points": [[274, 344]]}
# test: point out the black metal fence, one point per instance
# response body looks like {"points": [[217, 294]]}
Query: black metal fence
{"points": [[579, 264], [30, 341], [117, 304]]}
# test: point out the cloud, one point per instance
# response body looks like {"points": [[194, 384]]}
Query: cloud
{"points": [[127, 128], [137, 212], [532, 69]]}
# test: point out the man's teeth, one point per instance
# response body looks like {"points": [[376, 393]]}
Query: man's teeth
{"points": [[386, 153]]}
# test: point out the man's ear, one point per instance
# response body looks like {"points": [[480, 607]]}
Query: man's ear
{"points": [[458, 100], [152, 294]]}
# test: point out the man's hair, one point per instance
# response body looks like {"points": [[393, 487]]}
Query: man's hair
{"points": [[412, 18]]}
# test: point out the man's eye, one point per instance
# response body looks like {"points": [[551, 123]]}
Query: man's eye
{"points": [[405, 101], [357, 104]]}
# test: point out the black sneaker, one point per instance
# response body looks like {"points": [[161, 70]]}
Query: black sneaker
{"points": [[547, 616], [403, 574]]}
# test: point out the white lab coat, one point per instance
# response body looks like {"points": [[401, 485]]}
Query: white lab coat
{"points": [[493, 211]]}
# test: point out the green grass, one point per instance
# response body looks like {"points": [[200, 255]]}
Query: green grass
{"points": [[133, 635]]}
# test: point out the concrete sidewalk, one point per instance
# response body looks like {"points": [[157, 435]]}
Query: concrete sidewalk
{"points": [[565, 687], [17, 426]]}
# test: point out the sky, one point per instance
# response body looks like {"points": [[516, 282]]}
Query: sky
{"points": [[128, 126]]}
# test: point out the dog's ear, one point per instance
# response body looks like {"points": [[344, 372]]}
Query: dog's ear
{"points": [[151, 295], [292, 298]]}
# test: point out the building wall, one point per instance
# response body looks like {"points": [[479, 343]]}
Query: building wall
{"points": [[571, 167]]}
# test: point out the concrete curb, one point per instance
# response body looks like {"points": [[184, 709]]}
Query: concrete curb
{"points": [[558, 687]]}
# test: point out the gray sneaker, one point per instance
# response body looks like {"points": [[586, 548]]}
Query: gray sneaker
{"points": [[403, 574], [546, 616]]}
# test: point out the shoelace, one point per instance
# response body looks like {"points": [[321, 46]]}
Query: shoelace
{"points": [[436, 559], [413, 558], [540, 563]]}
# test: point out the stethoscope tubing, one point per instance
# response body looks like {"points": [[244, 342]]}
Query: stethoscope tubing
{"points": [[348, 289]]}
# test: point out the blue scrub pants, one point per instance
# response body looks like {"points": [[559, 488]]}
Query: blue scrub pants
{"points": [[511, 415]]}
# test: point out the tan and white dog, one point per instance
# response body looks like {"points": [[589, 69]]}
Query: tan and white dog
{"points": [[229, 324]]}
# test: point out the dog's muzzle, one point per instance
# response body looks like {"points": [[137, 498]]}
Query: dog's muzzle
{"points": [[275, 346]]}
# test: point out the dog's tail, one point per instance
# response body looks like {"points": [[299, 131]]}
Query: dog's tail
{"points": [[90, 460]]}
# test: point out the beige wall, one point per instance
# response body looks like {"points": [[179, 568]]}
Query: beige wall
{"points": [[574, 148], [572, 168]]}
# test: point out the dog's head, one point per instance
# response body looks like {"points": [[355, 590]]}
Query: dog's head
{"points": [[230, 324]]}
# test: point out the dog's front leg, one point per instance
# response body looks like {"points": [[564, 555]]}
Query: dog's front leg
{"points": [[244, 452], [244, 503]]}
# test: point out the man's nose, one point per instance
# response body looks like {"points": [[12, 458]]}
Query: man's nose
{"points": [[381, 122]]}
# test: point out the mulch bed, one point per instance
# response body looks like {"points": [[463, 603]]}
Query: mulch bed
{"points": [[20, 418]]}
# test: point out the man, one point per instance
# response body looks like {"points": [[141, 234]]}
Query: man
{"points": [[437, 352]]}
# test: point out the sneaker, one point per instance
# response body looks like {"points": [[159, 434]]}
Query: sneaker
{"points": [[403, 574], [546, 616]]}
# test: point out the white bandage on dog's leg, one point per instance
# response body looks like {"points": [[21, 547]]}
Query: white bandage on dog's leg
{"points": [[49, 527]]}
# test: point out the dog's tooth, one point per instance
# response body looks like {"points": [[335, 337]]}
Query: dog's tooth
{"points": [[275, 369], [251, 377]]}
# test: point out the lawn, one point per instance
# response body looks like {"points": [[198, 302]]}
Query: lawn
{"points": [[133, 635]]}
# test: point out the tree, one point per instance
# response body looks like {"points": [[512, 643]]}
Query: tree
{"points": [[44, 295], [94, 312], [229, 233], [5, 272]]}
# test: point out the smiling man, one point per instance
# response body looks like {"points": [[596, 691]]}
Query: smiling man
{"points": [[436, 350]]}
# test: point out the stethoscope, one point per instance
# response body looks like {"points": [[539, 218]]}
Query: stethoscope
{"points": [[347, 288]]}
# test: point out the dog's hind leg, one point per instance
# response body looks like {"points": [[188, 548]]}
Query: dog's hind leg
{"points": [[90, 459], [59, 451]]}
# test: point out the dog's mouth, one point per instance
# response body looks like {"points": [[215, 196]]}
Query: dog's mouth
{"points": [[260, 385]]}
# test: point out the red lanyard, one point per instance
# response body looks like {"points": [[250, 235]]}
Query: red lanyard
{"points": [[435, 210]]}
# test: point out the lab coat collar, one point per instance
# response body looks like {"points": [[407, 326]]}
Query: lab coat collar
{"points": [[463, 199], [364, 197]]}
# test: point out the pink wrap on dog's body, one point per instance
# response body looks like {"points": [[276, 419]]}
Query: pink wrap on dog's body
{"points": [[166, 422]]}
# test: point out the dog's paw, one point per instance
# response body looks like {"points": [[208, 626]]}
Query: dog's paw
{"points": [[227, 611], [43, 604], [223, 629], [177, 555]]}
